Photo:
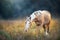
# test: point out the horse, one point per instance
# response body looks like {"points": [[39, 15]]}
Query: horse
{"points": [[42, 18]]}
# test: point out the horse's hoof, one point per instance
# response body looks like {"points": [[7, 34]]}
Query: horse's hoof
{"points": [[46, 34]]}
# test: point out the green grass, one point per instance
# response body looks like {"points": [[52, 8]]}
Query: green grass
{"points": [[4, 35]]}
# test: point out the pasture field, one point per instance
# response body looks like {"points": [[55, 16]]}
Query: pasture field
{"points": [[13, 30]]}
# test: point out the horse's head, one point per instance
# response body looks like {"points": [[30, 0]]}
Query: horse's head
{"points": [[27, 23], [31, 19]]}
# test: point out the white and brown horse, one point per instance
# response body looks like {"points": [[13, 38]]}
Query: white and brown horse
{"points": [[42, 18]]}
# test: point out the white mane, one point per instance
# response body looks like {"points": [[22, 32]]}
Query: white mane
{"points": [[33, 14]]}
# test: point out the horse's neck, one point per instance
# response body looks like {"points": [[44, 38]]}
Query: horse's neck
{"points": [[33, 16]]}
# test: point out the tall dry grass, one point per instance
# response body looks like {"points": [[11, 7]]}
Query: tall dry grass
{"points": [[15, 29]]}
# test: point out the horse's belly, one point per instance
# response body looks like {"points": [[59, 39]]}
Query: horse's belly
{"points": [[46, 22]]}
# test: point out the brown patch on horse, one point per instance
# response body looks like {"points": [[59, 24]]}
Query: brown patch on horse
{"points": [[38, 22]]}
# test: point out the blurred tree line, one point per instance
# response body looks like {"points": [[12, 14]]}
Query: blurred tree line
{"points": [[12, 9]]}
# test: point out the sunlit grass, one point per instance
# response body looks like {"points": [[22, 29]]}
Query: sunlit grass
{"points": [[16, 27]]}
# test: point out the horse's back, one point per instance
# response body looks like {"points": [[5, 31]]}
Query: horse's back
{"points": [[46, 15]]}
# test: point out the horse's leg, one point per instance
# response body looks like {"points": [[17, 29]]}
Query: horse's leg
{"points": [[47, 28], [44, 28]]}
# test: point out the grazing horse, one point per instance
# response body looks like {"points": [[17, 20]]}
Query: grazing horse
{"points": [[42, 18]]}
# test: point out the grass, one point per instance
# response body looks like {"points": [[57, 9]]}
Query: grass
{"points": [[15, 29], [4, 35]]}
